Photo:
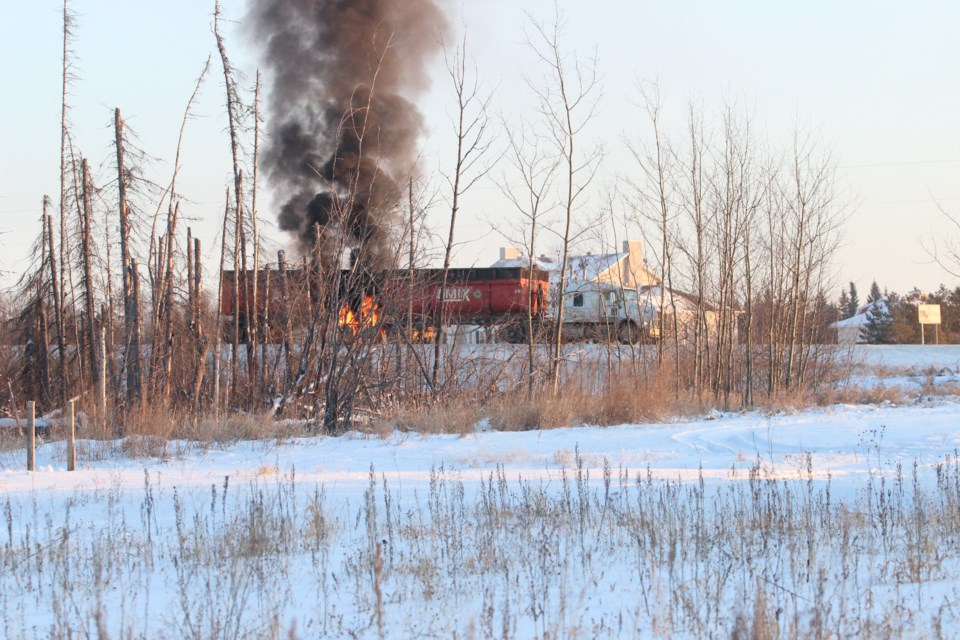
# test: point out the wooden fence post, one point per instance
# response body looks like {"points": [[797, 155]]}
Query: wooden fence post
{"points": [[71, 436], [31, 435]]}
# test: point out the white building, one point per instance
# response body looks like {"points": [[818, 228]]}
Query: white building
{"points": [[849, 329], [625, 268]]}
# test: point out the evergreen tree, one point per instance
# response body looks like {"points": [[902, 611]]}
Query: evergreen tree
{"points": [[878, 329], [844, 305], [854, 301], [904, 329], [825, 314], [874, 293]]}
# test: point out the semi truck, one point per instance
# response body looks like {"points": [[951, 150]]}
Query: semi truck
{"points": [[606, 312], [510, 301]]}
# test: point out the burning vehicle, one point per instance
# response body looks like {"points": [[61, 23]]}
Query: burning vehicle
{"points": [[389, 305], [406, 304]]}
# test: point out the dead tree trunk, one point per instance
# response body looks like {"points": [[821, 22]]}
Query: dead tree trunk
{"points": [[173, 213], [748, 322], [200, 339], [190, 291], [60, 288], [285, 301], [130, 357], [232, 120], [411, 260], [86, 256], [235, 342], [43, 340], [135, 371], [57, 308], [107, 314], [253, 320], [217, 330], [265, 331]]}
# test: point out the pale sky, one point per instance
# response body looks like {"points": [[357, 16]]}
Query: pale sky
{"points": [[877, 81]]}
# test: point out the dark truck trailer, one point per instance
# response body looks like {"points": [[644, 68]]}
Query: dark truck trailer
{"points": [[289, 299], [480, 295], [473, 296], [501, 297]]}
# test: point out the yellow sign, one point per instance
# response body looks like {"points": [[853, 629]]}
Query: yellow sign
{"points": [[929, 313]]}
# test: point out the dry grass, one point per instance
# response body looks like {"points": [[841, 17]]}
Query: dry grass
{"points": [[624, 401], [149, 432], [591, 397], [487, 388], [234, 427], [861, 394], [620, 555], [11, 439], [458, 414]]}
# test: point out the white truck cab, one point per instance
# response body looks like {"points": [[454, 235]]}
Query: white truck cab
{"points": [[604, 311]]}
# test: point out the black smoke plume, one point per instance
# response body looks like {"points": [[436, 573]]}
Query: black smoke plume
{"points": [[342, 128]]}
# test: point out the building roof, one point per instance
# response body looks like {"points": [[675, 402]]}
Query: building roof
{"points": [[626, 266], [580, 269], [860, 317], [524, 262], [590, 268]]}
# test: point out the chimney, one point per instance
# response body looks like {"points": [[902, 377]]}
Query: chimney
{"points": [[637, 273], [509, 253], [634, 248]]}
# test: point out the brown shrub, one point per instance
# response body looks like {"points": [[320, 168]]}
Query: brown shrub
{"points": [[453, 414]]}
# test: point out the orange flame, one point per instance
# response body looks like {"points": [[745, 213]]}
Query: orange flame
{"points": [[348, 318], [369, 315]]}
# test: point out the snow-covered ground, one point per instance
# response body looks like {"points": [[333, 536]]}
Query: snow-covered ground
{"points": [[843, 441], [910, 357], [841, 521]]}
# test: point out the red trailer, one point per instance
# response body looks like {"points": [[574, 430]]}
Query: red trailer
{"points": [[504, 297], [392, 300], [480, 296]]}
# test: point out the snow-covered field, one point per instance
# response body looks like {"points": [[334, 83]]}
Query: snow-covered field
{"points": [[840, 522], [910, 357]]}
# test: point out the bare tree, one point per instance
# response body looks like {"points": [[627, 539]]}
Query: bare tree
{"points": [[813, 219], [535, 166], [218, 325], [737, 195], [86, 255], [568, 99], [753, 239], [472, 131], [131, 348], [165, 317], [196, 322], [699, 220], [55, 283], [233, 119], [252, 319], [69, 21], [656, 207]]}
